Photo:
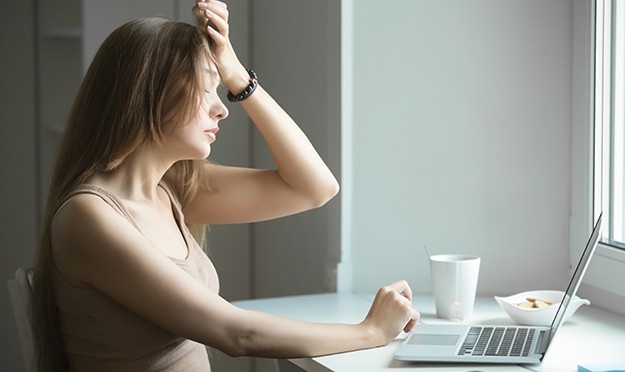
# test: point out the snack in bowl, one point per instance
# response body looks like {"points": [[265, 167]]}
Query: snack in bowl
{"points": [[537, 307], [534, 303]]}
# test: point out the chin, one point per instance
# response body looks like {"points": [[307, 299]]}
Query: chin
{"points": [[206, 153], [198, 154], [202, 156]]}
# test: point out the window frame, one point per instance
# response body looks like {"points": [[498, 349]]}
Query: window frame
{"points": [[613, 142], [604, 283]]}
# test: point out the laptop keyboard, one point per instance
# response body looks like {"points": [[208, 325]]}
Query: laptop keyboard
{"points": [[498, 341]]}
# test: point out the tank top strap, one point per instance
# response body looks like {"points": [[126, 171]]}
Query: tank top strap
{"points": [[179, 217], [109, 198], [174, 200], [173, 197]]}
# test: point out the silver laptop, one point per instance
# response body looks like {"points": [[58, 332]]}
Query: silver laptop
{"points": [[474, 343]]}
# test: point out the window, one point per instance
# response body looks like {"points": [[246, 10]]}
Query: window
{"points": [[598, 148], [598, 156], [610, 120]]}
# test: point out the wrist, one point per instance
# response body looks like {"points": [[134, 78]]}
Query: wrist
{"points": [[371, 335], [237, 82], [244, 94]]}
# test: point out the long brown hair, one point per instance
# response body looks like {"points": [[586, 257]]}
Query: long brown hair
{"points": [[146, 76]]}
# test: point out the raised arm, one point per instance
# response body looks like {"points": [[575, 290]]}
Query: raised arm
{"points": [[302, 180]]}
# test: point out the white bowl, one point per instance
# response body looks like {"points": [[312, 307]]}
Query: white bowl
{"points": [[541, 316]]}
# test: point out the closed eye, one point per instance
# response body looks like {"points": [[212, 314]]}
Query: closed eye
{"points": [[221, 90]]}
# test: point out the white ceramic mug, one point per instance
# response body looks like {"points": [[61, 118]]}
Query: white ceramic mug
{"points": [[454, 282]]}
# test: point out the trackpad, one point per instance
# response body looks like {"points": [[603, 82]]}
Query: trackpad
{"points": [[433, 339]]}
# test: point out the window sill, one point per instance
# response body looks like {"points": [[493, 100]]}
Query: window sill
{"points": [[604, 282]]}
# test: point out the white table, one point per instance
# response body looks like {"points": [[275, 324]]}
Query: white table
{"points": [[590, 336]]}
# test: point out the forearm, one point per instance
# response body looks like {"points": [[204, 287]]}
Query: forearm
{"points": [[253, 333], [299, 164], [271, 336]]}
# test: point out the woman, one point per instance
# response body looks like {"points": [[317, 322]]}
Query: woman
{"points": [[120, 282]]}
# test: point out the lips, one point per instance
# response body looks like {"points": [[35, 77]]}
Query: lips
{"points": [[212, 133]]}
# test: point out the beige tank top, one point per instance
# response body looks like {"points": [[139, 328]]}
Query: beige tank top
{"points": [[99, 334]]}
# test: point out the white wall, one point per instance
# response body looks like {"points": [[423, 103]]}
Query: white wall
{"points": [[460, 140]]}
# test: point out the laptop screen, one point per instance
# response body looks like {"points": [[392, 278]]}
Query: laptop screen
{"points": [[571, 290]]}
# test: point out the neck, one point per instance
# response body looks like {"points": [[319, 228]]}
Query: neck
{"points": [[136, 178]]}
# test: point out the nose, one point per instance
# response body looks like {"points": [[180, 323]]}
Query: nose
{"points": [[219, 111]]}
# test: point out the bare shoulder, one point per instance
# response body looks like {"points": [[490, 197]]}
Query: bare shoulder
{"points": [[82, 233], [77, 209], [96, 247]]}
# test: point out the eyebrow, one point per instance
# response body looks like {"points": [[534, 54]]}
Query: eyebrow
{"points": [[215, 73]]}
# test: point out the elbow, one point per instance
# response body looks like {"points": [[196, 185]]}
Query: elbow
{"points": [[238, 346], [235, 352], [326, 192], [241, 339]]}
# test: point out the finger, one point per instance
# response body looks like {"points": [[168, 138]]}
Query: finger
{"points": [[218, 3], [216, 7], [214, 34], [410, 326], [414, 319], [218, 23], [403, 288]]}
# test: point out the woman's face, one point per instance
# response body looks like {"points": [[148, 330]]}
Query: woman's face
{"points": [[193, 140]]}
